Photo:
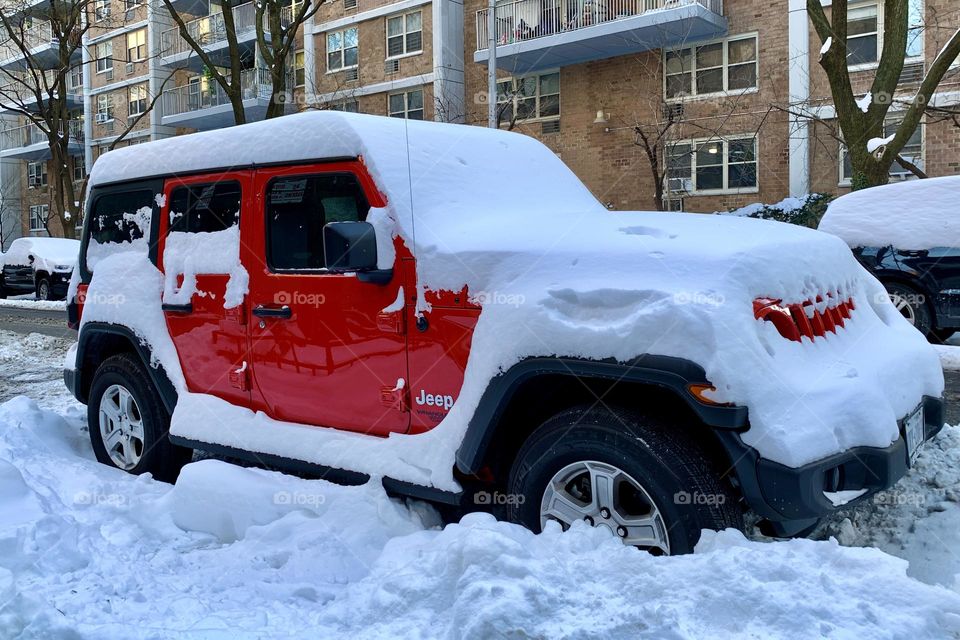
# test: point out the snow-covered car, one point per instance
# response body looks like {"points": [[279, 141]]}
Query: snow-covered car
{"points": [[448, 309], [908, 235], [38, 265]]}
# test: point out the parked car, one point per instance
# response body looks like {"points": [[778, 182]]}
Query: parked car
{"points": [[908, 235], [41, 266], [448, 309]]}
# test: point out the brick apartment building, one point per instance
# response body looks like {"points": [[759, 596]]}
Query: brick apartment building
{"points": [[721, 80]]}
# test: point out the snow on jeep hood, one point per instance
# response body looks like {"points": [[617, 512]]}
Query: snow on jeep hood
{"points": [[558, 274]]}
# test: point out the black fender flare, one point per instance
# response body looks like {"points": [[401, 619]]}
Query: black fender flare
{"points": [[90, 331], [673, 374]]}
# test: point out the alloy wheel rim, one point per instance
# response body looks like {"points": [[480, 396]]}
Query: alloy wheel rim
{"points": [[904, 307], [121, 427], [604, 495], [44, 291]]}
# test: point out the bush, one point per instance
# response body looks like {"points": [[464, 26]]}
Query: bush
{"points": [[805, 211]]}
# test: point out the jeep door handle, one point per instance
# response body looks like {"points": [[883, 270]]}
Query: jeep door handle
{"points": [[272, 312], [177, 308]]}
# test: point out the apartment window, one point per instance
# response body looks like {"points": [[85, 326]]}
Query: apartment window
{"points": [[912, 151], [712, 165], [104, 107], [712, 68], [79, 168], [137, 99], [406, 105], [104, 56], [529, 97], [101, 10], [137, 45], [863, 36], [132, 4], [36, 174], [38, 217], [342, 49], [350, 106], [404, 34], [299, 72], [915, 29]]}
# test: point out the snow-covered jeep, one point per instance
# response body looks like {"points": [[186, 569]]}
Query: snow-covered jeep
{"points": [[449, 310]]}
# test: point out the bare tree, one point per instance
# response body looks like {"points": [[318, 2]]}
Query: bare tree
{"points": [[862, 121], [10, 220]]}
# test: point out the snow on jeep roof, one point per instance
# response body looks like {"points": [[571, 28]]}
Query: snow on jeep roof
{"points": [[917, 214]]}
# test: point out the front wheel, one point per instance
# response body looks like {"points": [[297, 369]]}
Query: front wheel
{"points": [[622, 471], [128, 422], [43, 290]]}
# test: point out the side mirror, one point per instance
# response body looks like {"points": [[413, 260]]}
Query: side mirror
{"points": [[350, 246]]}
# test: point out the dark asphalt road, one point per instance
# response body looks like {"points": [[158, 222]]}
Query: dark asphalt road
{"points": [[54, 323]]}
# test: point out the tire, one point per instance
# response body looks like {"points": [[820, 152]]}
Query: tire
{"points": [[913, 305], [681, 492], [140, 444], [43, 290]]}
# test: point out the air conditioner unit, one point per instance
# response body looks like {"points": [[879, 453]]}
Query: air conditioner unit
{"points": [[129, 15], [33, 181], [349, 4], [129, 68], [679, 185], [108, 76], [103, 118], [352, 75], [550, 126], [391, 66]]}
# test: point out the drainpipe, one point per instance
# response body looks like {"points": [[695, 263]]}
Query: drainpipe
{"points": [[799, 88], [492, 64]]}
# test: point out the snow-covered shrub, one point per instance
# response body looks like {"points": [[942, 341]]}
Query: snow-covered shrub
{"points": [[805, 211]]}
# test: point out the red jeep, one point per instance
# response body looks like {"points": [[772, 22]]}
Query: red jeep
{"points": [[447, 308]]}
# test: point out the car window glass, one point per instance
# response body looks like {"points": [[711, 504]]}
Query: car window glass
{"points": [[297, 208], [119, 222], [205, 208]]}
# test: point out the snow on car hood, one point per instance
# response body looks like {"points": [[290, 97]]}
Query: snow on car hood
{"points": [[558, 274]]}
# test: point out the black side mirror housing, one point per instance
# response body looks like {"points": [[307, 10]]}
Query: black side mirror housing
{"points": [[349, 246]]}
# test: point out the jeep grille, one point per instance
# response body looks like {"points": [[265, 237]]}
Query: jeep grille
{"points": [[811, 319]]}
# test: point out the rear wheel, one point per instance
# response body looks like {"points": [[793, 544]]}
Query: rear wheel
{"points": [[128, 423], [43, 290], [623, 471]]}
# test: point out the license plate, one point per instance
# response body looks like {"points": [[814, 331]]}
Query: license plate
{"points": [[913, 432]]}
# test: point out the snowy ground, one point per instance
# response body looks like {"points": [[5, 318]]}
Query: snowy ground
{"points": [[30, 302], [90, 552]]}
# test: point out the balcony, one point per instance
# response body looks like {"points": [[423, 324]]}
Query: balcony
{"points": [[211, 33], [533, 35], [15, 94], [29, 142], [204, 105], [41, 44]]}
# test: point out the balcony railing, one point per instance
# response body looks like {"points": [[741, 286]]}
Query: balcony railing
{"points": [[522, 20], [255, 83], [22, 91], [36, 36], [211, 29], [30, 134]]}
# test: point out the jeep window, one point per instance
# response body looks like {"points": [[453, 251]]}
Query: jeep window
{"points": [[119, 222], [200, 208], [297, 208]]}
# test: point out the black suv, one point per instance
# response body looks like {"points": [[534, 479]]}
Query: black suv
{"points": [[38, 265]]}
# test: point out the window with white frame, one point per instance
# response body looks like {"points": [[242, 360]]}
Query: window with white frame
{"points": [[36, 174], [101, 10], [104, 107], [104, 56], [299, 69], [137, 45], [342, 49], [408, 104], [716, 67], [38, 217], [404, 34], [529, 97], [350, 106], [132, 4], [79, 168], [137, 99], [915, 31], [712, 165], [912, 152], [863, 34]]}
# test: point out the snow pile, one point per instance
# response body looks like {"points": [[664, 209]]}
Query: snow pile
{"points": [[591, 283], [49, 254], [91, 552], [205, 253], [911, 215], [787, 205], [28, 302]]}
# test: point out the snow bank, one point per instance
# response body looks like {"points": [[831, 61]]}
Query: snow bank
{"points": [[590, 284], [99, 554], [28, 303], [911, 215]]}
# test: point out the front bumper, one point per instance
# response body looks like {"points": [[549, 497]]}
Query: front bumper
{"points": [[780, 493]]}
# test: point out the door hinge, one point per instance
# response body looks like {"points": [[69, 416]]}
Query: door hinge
{"points": [[240, 378], [397, 397], [391, 322]]}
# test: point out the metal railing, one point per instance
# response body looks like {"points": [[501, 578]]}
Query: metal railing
{"points": [[255, 83], [528, 19], [36, 36], [211, 29], [30, 134], [22, 91]]}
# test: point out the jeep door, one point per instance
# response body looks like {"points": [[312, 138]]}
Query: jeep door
{"points": [[325, 348], [199, 255]]}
